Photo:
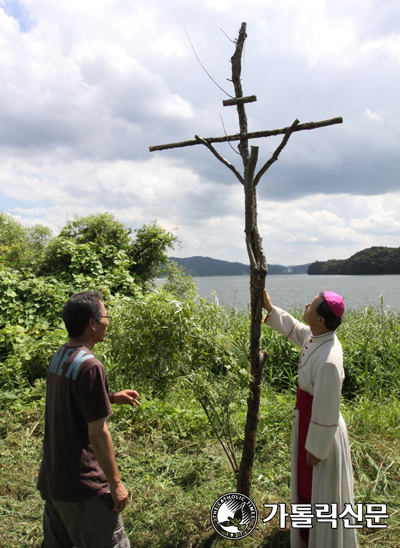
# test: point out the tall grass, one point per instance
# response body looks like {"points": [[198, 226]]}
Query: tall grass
{"points": [[371, 346], [371, 353], [174, 467]]}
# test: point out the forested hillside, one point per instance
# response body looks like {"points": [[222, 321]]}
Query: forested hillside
{"points": [[206, 266], [374, 260]]}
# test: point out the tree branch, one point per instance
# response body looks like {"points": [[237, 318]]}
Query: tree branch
{"points": [[232, 463], [260, 252], [236, 61], [239, 100], [275, 155], [223, 125], [253, 262], [200, 63], [253, 135], [251, 166], [219, 420], [220, 158], [230, 436]]}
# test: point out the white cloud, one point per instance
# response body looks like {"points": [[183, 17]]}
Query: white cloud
{"points": [[128, 88], [373, 115], [389, 44], [87, 87], [329, 227]]}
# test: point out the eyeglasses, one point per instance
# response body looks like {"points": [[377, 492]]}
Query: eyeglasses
{"points": [[107, 317]]}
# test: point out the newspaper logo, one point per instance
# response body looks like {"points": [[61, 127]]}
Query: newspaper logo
{"points": [[234, 516]]}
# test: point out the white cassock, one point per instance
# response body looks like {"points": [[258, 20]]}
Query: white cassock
{"points": [[321, 374]]}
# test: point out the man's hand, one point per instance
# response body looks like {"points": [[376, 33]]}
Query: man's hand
{"points": [[120, 495], [267, 302], [311, 460], [128, 397]]}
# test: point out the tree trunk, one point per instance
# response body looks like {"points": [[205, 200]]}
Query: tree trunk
{"points": [[258, 272]]}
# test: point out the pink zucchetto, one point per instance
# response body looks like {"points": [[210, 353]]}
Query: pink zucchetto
{"points": [[335, 303]]}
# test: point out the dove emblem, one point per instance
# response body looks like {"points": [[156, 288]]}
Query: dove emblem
{"points": [[234, 515]]}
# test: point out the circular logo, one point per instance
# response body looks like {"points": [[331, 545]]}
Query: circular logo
{"points": [[234, 515]]}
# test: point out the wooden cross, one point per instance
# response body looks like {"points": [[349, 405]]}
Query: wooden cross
{"points": [[258, 262]]}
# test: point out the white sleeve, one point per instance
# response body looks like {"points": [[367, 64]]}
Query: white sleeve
{"points": [[325, 410], [288, 326]]}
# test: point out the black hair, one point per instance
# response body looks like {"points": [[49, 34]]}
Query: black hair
{"points": [[332, 321], [78, 310]]}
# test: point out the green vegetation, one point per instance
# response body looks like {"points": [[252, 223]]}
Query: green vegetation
{"points": [[375, 260], [21, 247], [169, 457], [39, 272], [189, 360]]}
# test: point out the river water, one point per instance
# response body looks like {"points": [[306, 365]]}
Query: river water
{"points": [[296, 290]]}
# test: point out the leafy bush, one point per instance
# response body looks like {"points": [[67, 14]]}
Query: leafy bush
{"points": [[148, 251], [30, 324], [99, 247], [21, 247], [159, 345], [178, 283], [157, 341], [39, 273]]}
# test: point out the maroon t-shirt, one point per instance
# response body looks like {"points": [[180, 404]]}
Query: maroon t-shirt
{"points": [[77, 393]]}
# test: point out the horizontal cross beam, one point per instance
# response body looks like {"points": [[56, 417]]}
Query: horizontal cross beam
{"points": [[239, 100], [254, 135]]}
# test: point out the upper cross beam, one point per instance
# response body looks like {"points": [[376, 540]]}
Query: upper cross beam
{"points": [[239, 100], [254, 135]]}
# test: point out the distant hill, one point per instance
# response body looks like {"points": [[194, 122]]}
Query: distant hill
{"points": [[205, 266], [374, 260]]}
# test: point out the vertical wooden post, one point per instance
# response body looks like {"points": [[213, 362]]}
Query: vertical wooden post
{"points": [[258, 262]]}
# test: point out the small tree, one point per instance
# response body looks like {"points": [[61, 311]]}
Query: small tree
{"points": [[21, 247], [148, 252], [163, 342]]}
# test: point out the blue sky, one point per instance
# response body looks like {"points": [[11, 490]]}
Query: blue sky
{"points": [[19, 12], [87, 87]]}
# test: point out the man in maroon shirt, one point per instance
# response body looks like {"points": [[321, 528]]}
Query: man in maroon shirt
{"points": [[79, 478]]}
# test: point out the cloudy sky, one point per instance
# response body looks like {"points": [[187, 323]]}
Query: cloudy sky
{"points": [[87, 86]]}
